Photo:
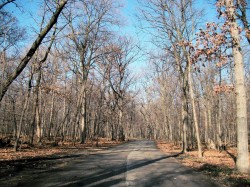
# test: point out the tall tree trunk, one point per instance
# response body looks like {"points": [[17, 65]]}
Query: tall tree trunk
{"points": [[14, 116], [36, 116], [205, 126], [35, 106], [170, 127], [197, 133], [209, 120], [165, 121], [19, 129], [36, 92], [64, 120], [184, 98], [184, 123], [51, 115], [219, 118], [83, 115], [77, 112], [242, 163], [120, 125]]}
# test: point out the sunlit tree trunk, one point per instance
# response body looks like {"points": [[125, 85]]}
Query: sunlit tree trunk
{"points": [[19, 129], [83, 117], [13, 102], [205, 126], [184, 122], [51, 114], [219, 118], [197, 133], [242, 163], [37, 107]]}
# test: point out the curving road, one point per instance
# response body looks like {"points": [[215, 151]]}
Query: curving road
{"points": [[136, 163]]}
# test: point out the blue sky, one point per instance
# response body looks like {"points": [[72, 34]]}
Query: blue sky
{"points": [[131, 27], [28, 15], [30, 8]]}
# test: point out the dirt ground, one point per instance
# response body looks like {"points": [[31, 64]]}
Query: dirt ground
{"points": [[219, 165]]}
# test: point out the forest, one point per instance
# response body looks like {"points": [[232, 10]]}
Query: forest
{"points": [[67, 73]]}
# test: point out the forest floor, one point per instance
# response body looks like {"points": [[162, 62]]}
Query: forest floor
{"points": [[218, 165], [49, 150], [45, 156]]}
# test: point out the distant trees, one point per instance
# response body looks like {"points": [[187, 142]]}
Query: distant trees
{"points": [[120, 54], [173, 27]]}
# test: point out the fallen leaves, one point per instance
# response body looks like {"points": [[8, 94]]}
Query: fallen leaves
{"points": [[8, 154], [219, 165]]}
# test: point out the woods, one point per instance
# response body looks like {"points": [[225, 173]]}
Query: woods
{"points": [[70, 78], [76, 81]]}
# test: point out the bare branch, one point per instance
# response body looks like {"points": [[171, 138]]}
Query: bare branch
{"points": [[33, 49], [5, 3]]}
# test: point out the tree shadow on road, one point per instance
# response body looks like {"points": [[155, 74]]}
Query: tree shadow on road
{"points": [[112, 172], [12, 167]]}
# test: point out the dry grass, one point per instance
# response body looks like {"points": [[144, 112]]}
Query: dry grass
{"points": [[217, 164]]}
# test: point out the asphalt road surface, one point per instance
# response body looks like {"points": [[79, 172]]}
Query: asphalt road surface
{"points": [[136, 163]]}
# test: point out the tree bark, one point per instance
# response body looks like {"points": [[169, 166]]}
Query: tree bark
{"points": [[19, 129], [51, 115], [197, 133], [14, 116], [242, 162], [219, 118], [83, 114], [184, 122], [37, 116], [205, 126]]}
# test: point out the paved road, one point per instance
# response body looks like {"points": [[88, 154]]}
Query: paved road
{"points": [[137, 163]]}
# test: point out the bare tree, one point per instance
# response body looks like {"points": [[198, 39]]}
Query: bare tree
{"points": [[5, 84], [120, 55], [86, 37], [5, 2]]}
